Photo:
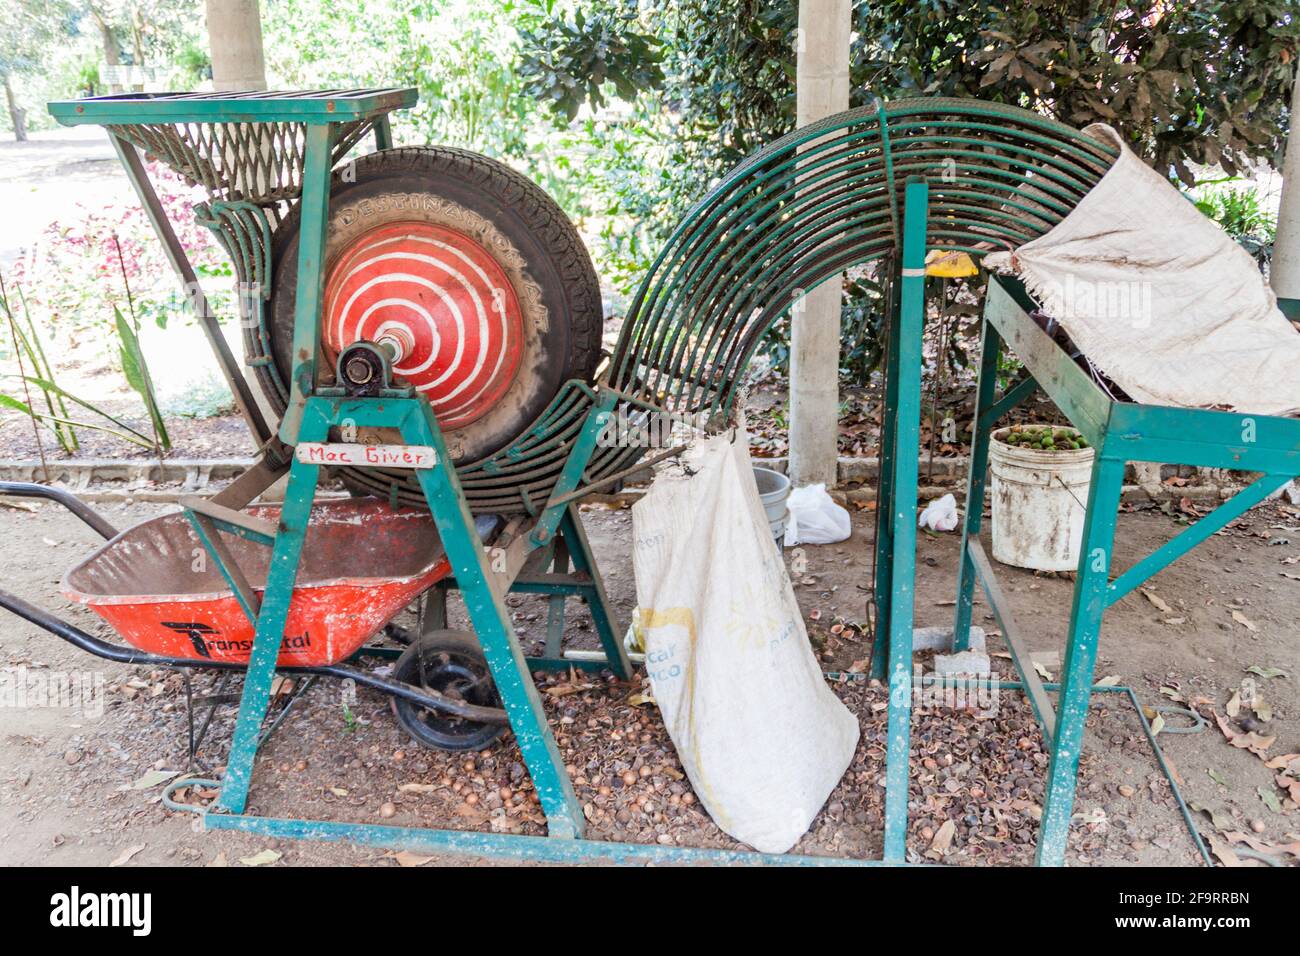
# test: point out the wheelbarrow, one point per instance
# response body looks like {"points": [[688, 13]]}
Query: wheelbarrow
{"points": [[365, 562]]}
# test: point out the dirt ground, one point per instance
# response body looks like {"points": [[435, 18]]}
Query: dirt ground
{"points": [[75, 785]]}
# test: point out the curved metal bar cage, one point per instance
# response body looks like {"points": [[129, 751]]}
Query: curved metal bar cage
{"points": [[798, 212]]}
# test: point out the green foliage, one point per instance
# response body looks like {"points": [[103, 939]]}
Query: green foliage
{"points": [[30, 351], [1204, 82], [568, 61], [1185, 82], [1241, 213], [193, 65]]}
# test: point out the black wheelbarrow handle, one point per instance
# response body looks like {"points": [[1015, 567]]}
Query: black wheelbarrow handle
{"points": [[28, 489]]}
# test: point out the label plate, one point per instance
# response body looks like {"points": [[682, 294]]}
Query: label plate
{"points": [[366, 456]]}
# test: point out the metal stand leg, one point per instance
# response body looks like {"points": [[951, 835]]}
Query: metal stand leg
{"points": [[911, 321], [283, 572], [990, 349], [602, 613], [491, 619], [433, 615], [885, 501], [1080, 657], [555, 603]]}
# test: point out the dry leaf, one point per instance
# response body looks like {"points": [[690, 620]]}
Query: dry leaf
{"points": [[1270, 799], [1259, 846], [1244, 621], [943, 839], [1283, 762], [1223, 851], [1263, 709], [1252, 741], [1220, 820], [1291, 785], [406, 858], [1160, 604], [1265, 672], [153, 778], [264, 858], [126, 854]]}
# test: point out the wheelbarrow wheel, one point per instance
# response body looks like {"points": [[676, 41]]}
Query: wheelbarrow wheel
{"points": [[451, 663]]}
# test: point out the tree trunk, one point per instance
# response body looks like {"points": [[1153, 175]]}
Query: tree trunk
{"points": [[17, 115], [137, 47], [112, 49], [235, 37], [822, 88], [1284, 271]]}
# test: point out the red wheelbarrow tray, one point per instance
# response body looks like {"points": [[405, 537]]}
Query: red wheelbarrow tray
{"points": [[362, 563]]}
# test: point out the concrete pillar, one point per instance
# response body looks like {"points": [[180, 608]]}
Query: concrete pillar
{"points": [[235, 38], [822, 85], [1284, 272]]}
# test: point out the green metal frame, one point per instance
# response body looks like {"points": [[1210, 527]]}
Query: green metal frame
{"points": [[1120, 432], [797, 213], [553, 538]]}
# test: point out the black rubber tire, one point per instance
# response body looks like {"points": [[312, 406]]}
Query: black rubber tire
{"points": [[443, 185], [448, 659]]}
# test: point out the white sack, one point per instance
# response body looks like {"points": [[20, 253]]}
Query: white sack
{"points": [[1160, 298], [815, 518], [760, 734]]}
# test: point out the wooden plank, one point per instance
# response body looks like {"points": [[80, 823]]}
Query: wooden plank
{"points": [[230, 516], [1065, 383]]}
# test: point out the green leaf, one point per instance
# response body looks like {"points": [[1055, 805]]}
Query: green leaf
{"points": [[1266, 672], [136, 371], [1269, 796], [63, 393]]}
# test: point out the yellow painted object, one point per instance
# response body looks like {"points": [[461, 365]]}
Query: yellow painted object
{"points": [[950, 265]]}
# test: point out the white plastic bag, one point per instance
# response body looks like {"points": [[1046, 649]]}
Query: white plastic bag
{"points": [[940, 514], [815, 518], [759, 733]]}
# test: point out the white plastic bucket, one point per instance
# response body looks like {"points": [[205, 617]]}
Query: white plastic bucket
{"points": [[1038, 504], [774, 491]]}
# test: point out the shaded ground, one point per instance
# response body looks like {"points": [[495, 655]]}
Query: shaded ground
{"points": [[66, 778]]}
